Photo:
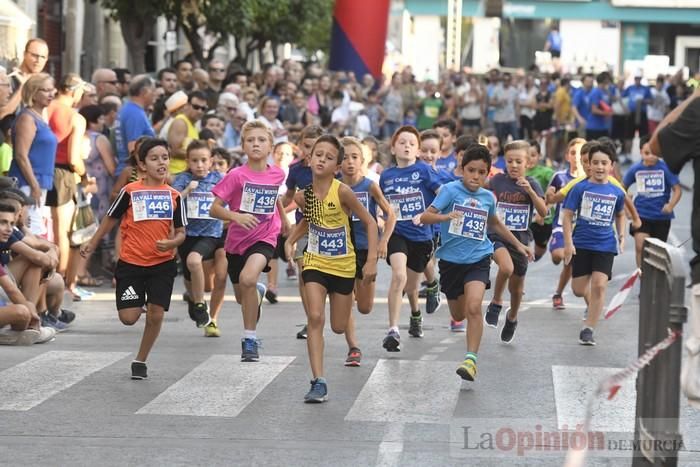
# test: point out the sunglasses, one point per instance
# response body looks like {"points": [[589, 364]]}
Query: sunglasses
{"points": [[202, 108]]}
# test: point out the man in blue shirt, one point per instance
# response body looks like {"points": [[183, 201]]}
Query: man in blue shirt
{"points": [[599, 109], [132, 121]]}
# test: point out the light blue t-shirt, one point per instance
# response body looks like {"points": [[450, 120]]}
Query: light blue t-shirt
{"points": [[595, 205], [464, 240]]}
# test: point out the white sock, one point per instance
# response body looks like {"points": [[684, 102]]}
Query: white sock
{"points": [[394, 328], [249, 334]]}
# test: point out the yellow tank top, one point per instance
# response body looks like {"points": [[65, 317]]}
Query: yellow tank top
{"points": [[180, 165], [330, 248]]}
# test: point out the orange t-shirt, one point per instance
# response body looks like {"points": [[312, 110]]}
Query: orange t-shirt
{"points": [[61, 124], [148, 214]]}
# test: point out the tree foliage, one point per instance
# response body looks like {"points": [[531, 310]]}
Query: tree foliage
{"points": [[207, 24]]}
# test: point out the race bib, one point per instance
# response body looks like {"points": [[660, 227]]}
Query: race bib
{"points": [[258, 198], [516, 217], [650, 182], [472, 223], [198, 205], [363, 198], [327, 242], [407, 205], [598, 208], [151, 205]]}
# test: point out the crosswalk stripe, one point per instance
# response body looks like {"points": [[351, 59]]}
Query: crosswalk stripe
{"points": [[221, 386], [30, 383], [396, 391]]}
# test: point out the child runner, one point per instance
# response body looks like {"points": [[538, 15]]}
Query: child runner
{"points": [[591, 247], [371, 197], [406, 187], [203, 233], [298, 178], [465, 209], [153, 224], [250, 191], [658, 192], [447, 130], [329, 259], [560, 179], [517, 196]]}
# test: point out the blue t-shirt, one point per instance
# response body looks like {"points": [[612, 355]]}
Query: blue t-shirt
{"points": [[410, 191], [636, 93], [559, 180], [582, 102], [42, 155], [130, 125], [447, 163], [198, 203], [554, 39], [464, 240], [595, 205], [365, 197], [514, 206], [593, 121], [298, 178], [500, 162], [654, 185]]}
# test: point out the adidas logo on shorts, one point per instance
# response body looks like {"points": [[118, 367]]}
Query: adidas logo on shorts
{"points": [[129, 294]]}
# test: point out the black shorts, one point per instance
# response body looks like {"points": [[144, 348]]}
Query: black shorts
{"points": [[555, 53], [453, 276], [585, 262], [654, 228], [138, 285], [417, 253], [360, 261], [205, 246], [64, 187], [519, 260], [541, 233], [279, 249], [332, 283], [236, 263]]}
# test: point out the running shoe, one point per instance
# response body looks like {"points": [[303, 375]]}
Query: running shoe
{"points": [[66, 316], [249, 350], [262, 290], [491, 316], [212, 330], [432, 299], [508, 331], [467, 370], [46, 334], [415, 326], [49, 320], [271, 296], [558, 302], [392, 341], [318, 392], [201, 314], [354, 357], [84, 294], [303, 334], [139, 370], [586, 337], [12, 337], [457, 326]]}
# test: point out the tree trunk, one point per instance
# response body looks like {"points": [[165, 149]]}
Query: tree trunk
{"points": [[137, 32]]}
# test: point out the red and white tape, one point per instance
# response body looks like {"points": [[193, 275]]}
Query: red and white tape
{"points": [[612, 384], [621, 296]]}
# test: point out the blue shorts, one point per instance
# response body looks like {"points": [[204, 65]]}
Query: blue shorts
{"points": [[557, 240]]}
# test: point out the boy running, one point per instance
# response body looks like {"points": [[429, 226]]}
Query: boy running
{"points": [[152, 226], [256, 219], [465, 211], [329, 259], [591, 247], [517, 196]]}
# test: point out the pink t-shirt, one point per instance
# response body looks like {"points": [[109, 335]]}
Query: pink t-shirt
{"points": [[245, 190]]}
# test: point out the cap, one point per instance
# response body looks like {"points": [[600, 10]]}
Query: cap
{"points": [[638, 74], [176, 101]]}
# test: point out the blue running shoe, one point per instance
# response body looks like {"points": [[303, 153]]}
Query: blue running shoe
{"points": [[318, 392], [50, 321], [249, 350]]}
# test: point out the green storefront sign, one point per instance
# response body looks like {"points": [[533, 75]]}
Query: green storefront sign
{"points": [[635, 41]]}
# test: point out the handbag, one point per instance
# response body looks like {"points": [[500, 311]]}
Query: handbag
{"points": [[84, 224]]}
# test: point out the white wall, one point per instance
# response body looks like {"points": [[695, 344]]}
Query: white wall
{"points": [[589, 44], [486, 54]]}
